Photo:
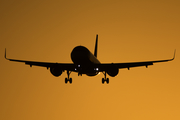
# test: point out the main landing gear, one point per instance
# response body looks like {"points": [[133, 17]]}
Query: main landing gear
{"points": [[105, 79], [68, 79]]}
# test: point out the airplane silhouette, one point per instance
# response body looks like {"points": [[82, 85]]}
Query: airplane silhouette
{"points": [[84, 62]]}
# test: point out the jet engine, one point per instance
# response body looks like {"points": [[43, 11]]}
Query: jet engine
{"points": [[113, 71], [56, 71]]}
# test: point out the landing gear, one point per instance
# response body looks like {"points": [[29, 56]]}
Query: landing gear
{"points": [[102, 80], [105, 79], [68, 79]]}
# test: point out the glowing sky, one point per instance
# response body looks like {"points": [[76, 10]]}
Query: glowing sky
{"points": [[129, 31]]}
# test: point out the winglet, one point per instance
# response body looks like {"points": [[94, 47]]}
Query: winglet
{"points": [[95, 50], [5, 54], [174, 54]]}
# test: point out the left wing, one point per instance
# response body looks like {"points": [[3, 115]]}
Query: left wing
{"points": [[64, 66], [106, 66]]}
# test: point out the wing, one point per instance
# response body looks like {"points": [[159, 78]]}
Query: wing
{"points": [[106, 66], [64, 66]]}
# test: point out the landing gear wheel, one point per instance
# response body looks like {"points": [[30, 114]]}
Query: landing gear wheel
{"points": [[70, 80], [66, 80], [107, 80], [103, 80]]}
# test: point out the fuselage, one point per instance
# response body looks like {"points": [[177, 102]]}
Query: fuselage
{"points": [[84, 59]]}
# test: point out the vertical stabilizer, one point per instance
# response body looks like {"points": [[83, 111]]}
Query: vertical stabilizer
{"points": [[96, 44]]}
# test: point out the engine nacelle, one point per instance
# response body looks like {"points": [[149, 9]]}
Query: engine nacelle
{"points": [[56, 71], [113, 71]]}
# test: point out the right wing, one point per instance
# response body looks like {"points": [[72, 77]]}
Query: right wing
{"points": [[64, 66]]}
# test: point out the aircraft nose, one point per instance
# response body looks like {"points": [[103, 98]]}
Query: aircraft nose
{"points": [[80, 50], [79, 54]]}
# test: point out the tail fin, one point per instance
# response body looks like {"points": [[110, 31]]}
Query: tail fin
{"points": [[95, 50]]}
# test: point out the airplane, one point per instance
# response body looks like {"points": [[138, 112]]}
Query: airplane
{"points": [[84, 62]]}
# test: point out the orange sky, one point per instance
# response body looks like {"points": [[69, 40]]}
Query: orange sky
{"points": [[129, 31]]}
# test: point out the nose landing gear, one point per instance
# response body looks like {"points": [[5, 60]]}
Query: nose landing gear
{"points": [[105, 79], [68, 79]]}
